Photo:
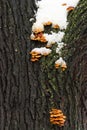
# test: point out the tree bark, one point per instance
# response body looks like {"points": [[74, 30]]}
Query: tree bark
{"points": [[29, 90]]}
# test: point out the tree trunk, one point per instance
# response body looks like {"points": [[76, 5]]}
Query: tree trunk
{"points": [[29, 90]]}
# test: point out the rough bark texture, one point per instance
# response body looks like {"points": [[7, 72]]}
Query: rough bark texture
{"points": [[29, 90]]}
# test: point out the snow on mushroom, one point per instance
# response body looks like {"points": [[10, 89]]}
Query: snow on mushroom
{"points": [[37, 27], [38, 52], [38, 37], [51, 13], [70, 8], [60, 63]]}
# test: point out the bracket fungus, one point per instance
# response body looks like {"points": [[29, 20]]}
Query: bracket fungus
{"points": [[60, 63], [37, 27], [47, 23], [38, 37], [55, 26], [53, 14], [36, 53], [35, 56], [64, 4], [70, 8], [57, 117]]}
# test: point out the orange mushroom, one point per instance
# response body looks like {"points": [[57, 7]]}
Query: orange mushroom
{"points": [[34, 53], [38, 37], [42, 39], [38, 30], [45, 54], [64, 4], [35, 56], [49, 46], [70, 8], [57, 117], [57, 65], [38, 56], [47, 23], [60, 63], [34, 59], [56, 26], [63, 66]]}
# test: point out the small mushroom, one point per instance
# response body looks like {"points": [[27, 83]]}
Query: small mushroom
{"points": [[56, 26], [64, 4], [63, 66], [38, 37], [47, 23], [34, 53], [70, 8], [48, 46], [38, 56], [34, 59], [57, 65]]}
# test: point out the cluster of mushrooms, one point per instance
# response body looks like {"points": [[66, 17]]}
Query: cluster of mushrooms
{"points": [[38, 35], [70, 8], [60, 63], [57, 117], [35, 56], [37, 53], [63, 66]]}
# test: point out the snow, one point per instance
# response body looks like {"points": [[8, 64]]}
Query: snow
{"points": [[37, 27], [59, 47], [60, 61], [54, 37], [53, 12], [42, 50]]}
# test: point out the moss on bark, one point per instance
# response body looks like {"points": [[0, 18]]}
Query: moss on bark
{"points": [[67, 87]]}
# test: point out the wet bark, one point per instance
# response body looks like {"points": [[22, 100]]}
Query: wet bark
{"points": [[29, 90]]}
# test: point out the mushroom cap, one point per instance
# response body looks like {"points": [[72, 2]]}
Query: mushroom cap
{"points": [[56, 110], [45, 54], [57, 117], [47, 23], [34, 59], [70, 8], [57, 65], [37, 56], [64, 4], [63, 66], [56, 26], [48, 46], [37, 27], [34, 53]]}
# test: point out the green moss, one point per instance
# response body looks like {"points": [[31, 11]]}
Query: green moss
{"points": [[76, 28], [56, 78]]}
